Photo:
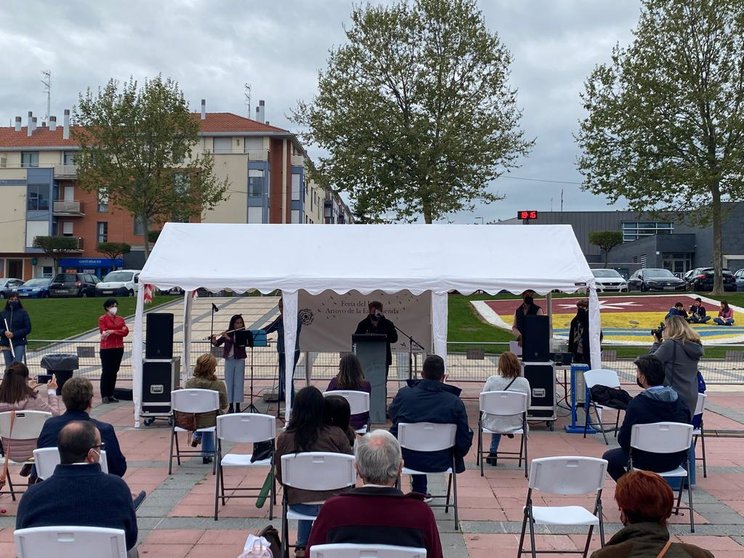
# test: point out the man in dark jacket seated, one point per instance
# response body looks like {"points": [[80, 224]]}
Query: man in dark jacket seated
{"points": [[79, 493], [431, 400], [377, 513], [657, 403], [77, 394]]}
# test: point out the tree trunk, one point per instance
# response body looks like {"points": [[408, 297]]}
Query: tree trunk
{"points": [[717, 239], [146, 227], [426, 210], [607, 257]]}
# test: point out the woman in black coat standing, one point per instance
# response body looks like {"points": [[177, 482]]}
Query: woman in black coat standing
{"points": [[15, 325]]}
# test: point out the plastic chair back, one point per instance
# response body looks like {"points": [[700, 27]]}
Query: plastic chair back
{"points": [[245, 428], [358, 400], [47, 459], [27, 426], [567, 475], [318, 470], [700, 405], [503, 403], [348, 550], [601, 377], [195, 400], [426, 436], [661, 437], [70, 542]]}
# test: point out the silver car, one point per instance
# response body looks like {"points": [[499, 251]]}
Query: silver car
{"points": [[609, 280]]}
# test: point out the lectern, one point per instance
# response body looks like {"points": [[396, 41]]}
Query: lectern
{"points": [[371, 350]]}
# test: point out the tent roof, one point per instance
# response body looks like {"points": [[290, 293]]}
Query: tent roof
{"points": [[391, 258]]}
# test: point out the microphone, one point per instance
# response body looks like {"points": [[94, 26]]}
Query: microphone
{"points": [[214, 308]]}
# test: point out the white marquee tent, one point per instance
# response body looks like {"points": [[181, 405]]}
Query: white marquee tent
{"points": [[365, 258]]}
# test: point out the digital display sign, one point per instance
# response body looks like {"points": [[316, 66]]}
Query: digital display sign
{"points": [[526, 215]]}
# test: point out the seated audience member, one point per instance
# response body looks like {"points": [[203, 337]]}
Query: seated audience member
{"points": [[431, 400], [645, 501], [657, 403], [509, 379], [337, 412], [377, 513], [725, 315], [18, 392], [204, 378], [79, 493], [697, 313], [307, 432], [677, 310], [77, 395], [351, 377]]}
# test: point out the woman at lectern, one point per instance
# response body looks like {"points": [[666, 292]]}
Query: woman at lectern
{"points": [[234, 355]]}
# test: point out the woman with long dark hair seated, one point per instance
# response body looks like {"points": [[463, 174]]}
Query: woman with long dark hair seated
{"points": [[351, 377], [18, 392], [307, 432]]}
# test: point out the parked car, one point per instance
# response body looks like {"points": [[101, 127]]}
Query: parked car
{"points": [[701, 279], [656, 279], [35, 288], [8, 285], [73, 284], [121, 282], [739, 277], [610, 280]]}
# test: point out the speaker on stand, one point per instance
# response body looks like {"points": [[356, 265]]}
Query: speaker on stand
{"points": [[536, 339], [159, 335]]}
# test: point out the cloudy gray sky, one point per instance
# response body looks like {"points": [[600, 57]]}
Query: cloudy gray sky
{"points": [[213, 47]]}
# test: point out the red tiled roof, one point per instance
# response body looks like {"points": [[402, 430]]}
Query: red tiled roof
{"points": [[215, 122]]}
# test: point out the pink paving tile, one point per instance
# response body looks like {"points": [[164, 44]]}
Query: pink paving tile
{"points": [[174, 536], [164, 550], [223, 536], [217, 551], [713, 543]]}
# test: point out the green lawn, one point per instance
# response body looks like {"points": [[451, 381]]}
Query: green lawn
{"points": [[59, 318]]}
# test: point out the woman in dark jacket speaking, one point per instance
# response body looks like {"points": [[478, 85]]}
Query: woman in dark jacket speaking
{"points": [[15, 325]]}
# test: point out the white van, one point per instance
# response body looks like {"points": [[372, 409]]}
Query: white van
{"points": [[122, 282]]}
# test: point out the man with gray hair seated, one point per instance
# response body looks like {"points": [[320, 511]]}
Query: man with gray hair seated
{"points": [[377, 513]]}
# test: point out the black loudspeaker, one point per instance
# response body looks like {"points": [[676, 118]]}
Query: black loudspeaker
{"points": [[542, 387], [159, 335], [536, 339], [157, 383]]}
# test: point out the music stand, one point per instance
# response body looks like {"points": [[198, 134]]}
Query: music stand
{"points": [[244, 338]]}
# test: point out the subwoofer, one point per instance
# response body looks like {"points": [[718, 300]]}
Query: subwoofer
{"points": [[536, 339], [541, 377], [159, 335], [158, 380]]}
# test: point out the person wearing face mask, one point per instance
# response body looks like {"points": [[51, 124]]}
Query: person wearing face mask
{"points": [[656, 403], [15, 325], [527, 308], [113, 330]]}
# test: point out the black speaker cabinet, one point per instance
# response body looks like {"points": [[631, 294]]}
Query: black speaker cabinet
{"points": [[536, 339], [159, 336], [541, 377], [159, 378]]}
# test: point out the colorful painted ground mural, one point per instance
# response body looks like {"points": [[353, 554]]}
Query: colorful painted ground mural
{"points": [[625, 319]]}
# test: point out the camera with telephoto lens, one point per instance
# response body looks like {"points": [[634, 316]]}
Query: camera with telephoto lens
{"points": [[658, 331]]}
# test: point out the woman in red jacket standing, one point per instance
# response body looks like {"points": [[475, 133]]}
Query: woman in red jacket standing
{"points": [[113, 330]]}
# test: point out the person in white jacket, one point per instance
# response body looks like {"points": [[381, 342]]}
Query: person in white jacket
{"points": [[508, 379]]}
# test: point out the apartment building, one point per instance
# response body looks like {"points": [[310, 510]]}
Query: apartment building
{"points": [[264, 165]]}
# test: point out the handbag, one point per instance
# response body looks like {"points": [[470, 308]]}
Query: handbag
{"points": [[195, 421], [664, 550], [272, 535], [262, 450]]}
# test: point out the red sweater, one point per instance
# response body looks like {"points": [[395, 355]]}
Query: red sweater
{"points": [[117, 328]]}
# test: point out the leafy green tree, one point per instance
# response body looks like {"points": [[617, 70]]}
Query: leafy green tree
{"points": [[415, 111], [606, 240], [136, 146], [665, 128], [113, 249], [57, 247]]}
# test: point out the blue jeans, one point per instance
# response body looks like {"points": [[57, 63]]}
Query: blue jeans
{"points": [[234, 379], [419, 483], [303, 527], [495, 440], [20, 352], [207, 441], [719, 321], [282, 368]]}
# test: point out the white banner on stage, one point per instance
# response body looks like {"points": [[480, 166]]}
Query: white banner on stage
{"points": [[330, 319]]}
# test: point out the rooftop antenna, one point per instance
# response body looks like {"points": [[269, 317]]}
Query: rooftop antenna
{"points": [[247, 94], [47, 83]]}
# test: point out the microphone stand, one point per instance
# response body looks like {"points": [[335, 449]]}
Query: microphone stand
{"points": [[411, 342], [211, 325]]}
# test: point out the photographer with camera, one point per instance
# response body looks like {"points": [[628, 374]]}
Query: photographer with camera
{"points": [[679, 348], [376, 322]]}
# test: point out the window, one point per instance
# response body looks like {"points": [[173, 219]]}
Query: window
{"points": [[223, 145], [29, 159], [633, 230], [38, 197], [253, 144], [34, 229], [255, 215], [68, 157], [67, 228], [102, 231], [296, 187], [255, 186], [103, 201], [47, 271]]}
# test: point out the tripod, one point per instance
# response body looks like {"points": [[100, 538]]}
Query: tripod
{"points": [[251, 407]]}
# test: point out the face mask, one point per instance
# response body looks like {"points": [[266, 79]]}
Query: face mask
{"points": [[15, 305], [528, 300], [113, 310]]}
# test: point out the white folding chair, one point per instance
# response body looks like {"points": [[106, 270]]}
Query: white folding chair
{"points": [[667, 437], [348, 550], [315, 470], [600, 377], [358, 401], [70, 542], [567, 476], [47, 459], [191, 401], [699, 432], [19, 439], [243, 428], [429, 437], [503, 404]]}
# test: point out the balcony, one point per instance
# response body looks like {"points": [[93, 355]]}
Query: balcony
{"points": [[65, 171], [68, 209]]}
